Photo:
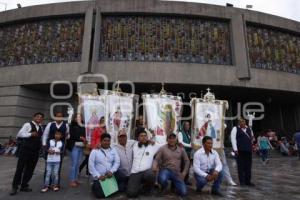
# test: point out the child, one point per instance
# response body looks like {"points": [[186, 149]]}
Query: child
{"points": [[264, 147], [53, 162]]}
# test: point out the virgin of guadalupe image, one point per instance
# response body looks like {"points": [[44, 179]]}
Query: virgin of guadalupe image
{"points": [[167, 116], [207, 129]]}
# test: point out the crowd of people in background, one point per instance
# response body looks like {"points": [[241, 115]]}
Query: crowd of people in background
{"points": [[138, 165]]}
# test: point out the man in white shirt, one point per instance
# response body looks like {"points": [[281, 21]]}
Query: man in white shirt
{"points": [[208, 167], [241, 140], [125, 152], [141, 171], [30, 136]]}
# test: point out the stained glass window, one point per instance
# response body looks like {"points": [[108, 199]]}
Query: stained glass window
{"points": [[166, 39], [273, 49], [42, 41]]}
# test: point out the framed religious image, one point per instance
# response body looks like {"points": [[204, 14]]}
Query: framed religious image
{"points": [[93, 109], [208, 120]]}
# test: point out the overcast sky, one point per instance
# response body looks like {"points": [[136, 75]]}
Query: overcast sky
{"points": [[285, 8]]}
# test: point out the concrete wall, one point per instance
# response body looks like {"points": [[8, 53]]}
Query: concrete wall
{"points": [[240, 74], [17, 103]]}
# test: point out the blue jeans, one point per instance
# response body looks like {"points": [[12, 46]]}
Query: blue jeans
{"points": [[201, 181], [264, 154], [76, 155], [165, 175], [52, 172]]}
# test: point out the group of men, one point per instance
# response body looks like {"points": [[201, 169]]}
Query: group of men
{"points": [[139, 165]]}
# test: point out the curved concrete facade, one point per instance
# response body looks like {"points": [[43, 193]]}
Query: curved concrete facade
{"points": [[239, 73]]}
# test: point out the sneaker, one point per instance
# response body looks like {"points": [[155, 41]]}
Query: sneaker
{"points": [[77, 182], [232, 183], [56, 188], [73, 184], [45, 189]]}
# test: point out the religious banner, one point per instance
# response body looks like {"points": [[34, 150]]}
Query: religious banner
{"points": [[119, 112], [163, 113], [93, 109], [208, 120]]}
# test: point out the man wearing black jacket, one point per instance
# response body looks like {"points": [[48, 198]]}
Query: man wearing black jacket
{"points": [[30, 135]]}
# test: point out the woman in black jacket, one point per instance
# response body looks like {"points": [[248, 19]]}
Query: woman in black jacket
{"points": [[75, 145]]}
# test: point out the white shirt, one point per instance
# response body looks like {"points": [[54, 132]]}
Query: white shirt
{"points": [[57, 148], [143, 157], [203, 163], [25, 131], [126, 156], [180, 140], [233, 137], [47, 130]]}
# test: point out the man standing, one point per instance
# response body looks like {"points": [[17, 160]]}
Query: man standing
{"points": [[241, 140], [103, 163], [141, 172], [168, 161], [125, 152], [30, 137], [297, 140], [49, 134], [208, 167]]}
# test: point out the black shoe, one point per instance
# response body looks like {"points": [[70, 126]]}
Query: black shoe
{"points": [[164, 191], [250, 184], [199, 190], [188, 183], [13, 192], [27, 189], [217, 193]]}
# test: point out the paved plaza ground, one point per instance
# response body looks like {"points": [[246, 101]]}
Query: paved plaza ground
{"points": [[280, 179]]}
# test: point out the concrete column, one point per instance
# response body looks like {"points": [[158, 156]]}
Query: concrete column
{"points": [[96, 50], [240, 57], [87, 37]]}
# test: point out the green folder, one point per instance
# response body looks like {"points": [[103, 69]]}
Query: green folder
{"points": [[109, 186]]}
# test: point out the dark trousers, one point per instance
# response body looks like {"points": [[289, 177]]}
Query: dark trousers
{"points": [[122, 181], [26, 164], [298, 148], [85, 163], [146, 179], [244, 163], [97, 189]]}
